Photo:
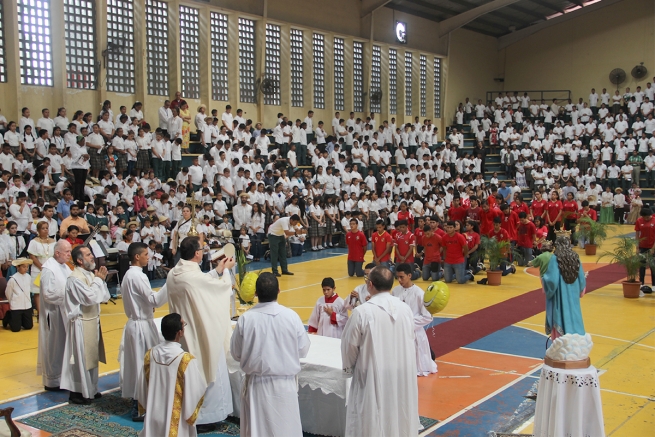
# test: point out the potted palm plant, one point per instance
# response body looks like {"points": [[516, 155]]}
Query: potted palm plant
{"points": [[495, 252], [626, 253], [593, 232]]}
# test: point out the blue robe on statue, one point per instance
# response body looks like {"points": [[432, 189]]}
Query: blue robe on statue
{"points": [[563, 313]]}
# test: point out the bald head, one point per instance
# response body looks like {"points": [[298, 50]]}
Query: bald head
{"points": [[380, 280], [62, 251]]}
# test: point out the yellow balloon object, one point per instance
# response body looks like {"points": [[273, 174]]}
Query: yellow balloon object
{"points": [[436, 297], [247, 288]]}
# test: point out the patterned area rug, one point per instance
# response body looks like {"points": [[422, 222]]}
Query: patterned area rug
{"points": [[76, 432], [110, 417]]}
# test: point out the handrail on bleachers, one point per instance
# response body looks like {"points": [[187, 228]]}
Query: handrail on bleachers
{"points": [[547, 95]]}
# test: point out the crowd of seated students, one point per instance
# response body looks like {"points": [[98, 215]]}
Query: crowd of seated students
{"points": [[123, 175]]}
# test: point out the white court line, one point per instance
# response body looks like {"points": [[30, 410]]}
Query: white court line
{"points": [[502, 353], [310, 285], [476, 403], [597, 335], [650, 398], [58, 406], [511, 372], [524, 426]]}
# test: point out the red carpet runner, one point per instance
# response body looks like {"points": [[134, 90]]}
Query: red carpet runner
{"points": [[449, 336]]}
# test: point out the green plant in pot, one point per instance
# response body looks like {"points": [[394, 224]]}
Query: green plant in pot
{"points": [[495, 252], [593, 232], [626, 254]]}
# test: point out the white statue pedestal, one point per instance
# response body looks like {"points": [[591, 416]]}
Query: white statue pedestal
{"points": [[568, 401]]}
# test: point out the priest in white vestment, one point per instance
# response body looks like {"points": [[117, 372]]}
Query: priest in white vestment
{"points": [[330, 314], [268, 341], [52, 327], [377, 349], [140, 333], [203, 300], [412, 295], [85, 291], [171, 386]]}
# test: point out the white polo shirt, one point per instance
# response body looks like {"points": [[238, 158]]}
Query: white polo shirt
{"points": [[281, 225]]}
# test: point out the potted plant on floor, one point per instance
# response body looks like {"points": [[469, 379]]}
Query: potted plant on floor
{"points": [[495, 252], [627, 255], [593, 232]]}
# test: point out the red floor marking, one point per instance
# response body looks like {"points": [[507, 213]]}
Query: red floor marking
{"points": [[453, 334]]}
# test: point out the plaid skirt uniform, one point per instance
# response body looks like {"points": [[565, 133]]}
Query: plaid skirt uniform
{"points": [[372, 218], [330, 227], [314, 229], [97, 160], [142, 160], [121, 163]]}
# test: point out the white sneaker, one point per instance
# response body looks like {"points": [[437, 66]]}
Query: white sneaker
{"points": [[320, 247]]}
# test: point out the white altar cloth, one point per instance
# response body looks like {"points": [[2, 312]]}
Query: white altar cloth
{"points": [[322, 386], [568, 403]]}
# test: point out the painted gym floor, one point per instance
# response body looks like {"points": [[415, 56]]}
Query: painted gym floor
{"points": [[489, 342]]}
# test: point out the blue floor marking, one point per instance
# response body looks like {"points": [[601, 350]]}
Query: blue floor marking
{"points": [[491, 415]]}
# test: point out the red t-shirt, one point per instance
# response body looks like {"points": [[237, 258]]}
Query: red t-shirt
{"points": [[646, 230], [380, 243], [474, 214], [525, 234], [432, 249], [404, 242], [538, 208], [591, 214], [553, 209], [509, 224], [75, 242], [542, 232], [406, 215], [523, 207], [454, 245], [457, 214], [356, 242], [491, 200], [570, 209], [418, 233], [501, 235], [472, 238], [487, 220]]}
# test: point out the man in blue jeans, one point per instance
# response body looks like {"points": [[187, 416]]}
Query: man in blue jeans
{"points": [[455, 250]]}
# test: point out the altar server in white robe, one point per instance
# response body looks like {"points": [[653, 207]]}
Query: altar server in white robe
{"points": [[140, 333], [330, 314], [377, 349], [412, 295], [360, 294], [268, 341], [170, 411], [203, 300], [52, 327], [85, 291]]}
